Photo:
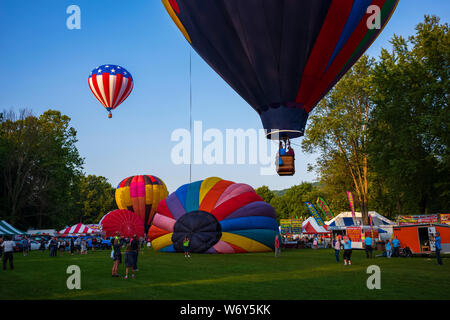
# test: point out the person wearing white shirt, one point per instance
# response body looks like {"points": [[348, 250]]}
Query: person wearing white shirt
{"points": [[8, 249]]}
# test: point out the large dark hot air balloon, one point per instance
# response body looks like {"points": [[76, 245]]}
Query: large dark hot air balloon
{"points": [[281, 56]]}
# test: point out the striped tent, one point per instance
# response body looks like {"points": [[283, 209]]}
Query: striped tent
{"points": [[310, 226], [76, 229], [7, 229]]}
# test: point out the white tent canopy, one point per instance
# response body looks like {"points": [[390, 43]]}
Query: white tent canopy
{"points": [[345, 219]]}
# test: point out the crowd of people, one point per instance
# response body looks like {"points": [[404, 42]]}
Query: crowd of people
{"points": [[344, 243]]}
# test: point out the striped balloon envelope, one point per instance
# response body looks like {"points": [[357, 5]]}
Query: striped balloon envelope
{"points": [[125, 222], [111, 85], [282, 57], [218, 216], [141, 195]]}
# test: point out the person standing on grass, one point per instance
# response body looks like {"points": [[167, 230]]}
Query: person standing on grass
{"points": [[25, 246], [8, 249], [117, 257], [337, 247], [135, 251], [83, 247], [315, 242], [53, 246], [77, 244], [186, 243], [396, 246], [62, 247], [129, 261], [42, 245], [277, 247], [72, 246], [438, 246], [388, 249], [347, 251], [368, 246]]}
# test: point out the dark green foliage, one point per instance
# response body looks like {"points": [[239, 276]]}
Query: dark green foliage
{"points": [[41, 173]]}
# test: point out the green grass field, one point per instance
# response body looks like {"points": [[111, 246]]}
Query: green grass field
{"points": [[297, 275]]}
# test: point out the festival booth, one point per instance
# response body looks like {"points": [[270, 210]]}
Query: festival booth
{"points": [[311, 227], [418, 236], [77, 229], [343, 224], [8, 230]]}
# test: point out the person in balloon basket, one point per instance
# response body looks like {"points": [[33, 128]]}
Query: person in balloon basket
{"points": [[281, 152], [347, 251], [117, 257], [129, 261], [186, 243]]}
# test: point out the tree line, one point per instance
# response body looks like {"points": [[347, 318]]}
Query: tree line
{"points": [[42, 182]]}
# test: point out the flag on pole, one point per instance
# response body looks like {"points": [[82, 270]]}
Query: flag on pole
{"points": [[323, 206], [314, 213], [352, 205]]}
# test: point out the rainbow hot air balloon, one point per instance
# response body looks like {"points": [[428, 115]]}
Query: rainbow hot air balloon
{"points": [[125, 222], [141, 194], [111, 85], [218, 216], [282, 57]]}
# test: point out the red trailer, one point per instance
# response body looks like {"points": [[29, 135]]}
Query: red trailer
{"points": [[418, 237]]}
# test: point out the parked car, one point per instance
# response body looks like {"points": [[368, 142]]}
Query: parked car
{"points": [[18, 246]]}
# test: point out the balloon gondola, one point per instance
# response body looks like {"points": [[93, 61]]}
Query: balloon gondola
{"points": [[282, 57]]}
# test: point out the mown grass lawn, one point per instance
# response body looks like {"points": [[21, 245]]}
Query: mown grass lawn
{"points": [[297, 275]]}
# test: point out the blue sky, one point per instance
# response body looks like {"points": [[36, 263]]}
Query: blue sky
{"points": [[47, 66]]}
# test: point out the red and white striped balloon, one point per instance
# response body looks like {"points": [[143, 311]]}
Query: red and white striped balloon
{"points": [[111, 85]]}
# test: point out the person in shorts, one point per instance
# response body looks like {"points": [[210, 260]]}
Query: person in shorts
{"points": [[117, 257], [129, 261], [347, 251], [25, 247], [186, 243]]}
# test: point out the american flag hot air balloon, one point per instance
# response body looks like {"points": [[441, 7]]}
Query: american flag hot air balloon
{"points": [[111, 85]]}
